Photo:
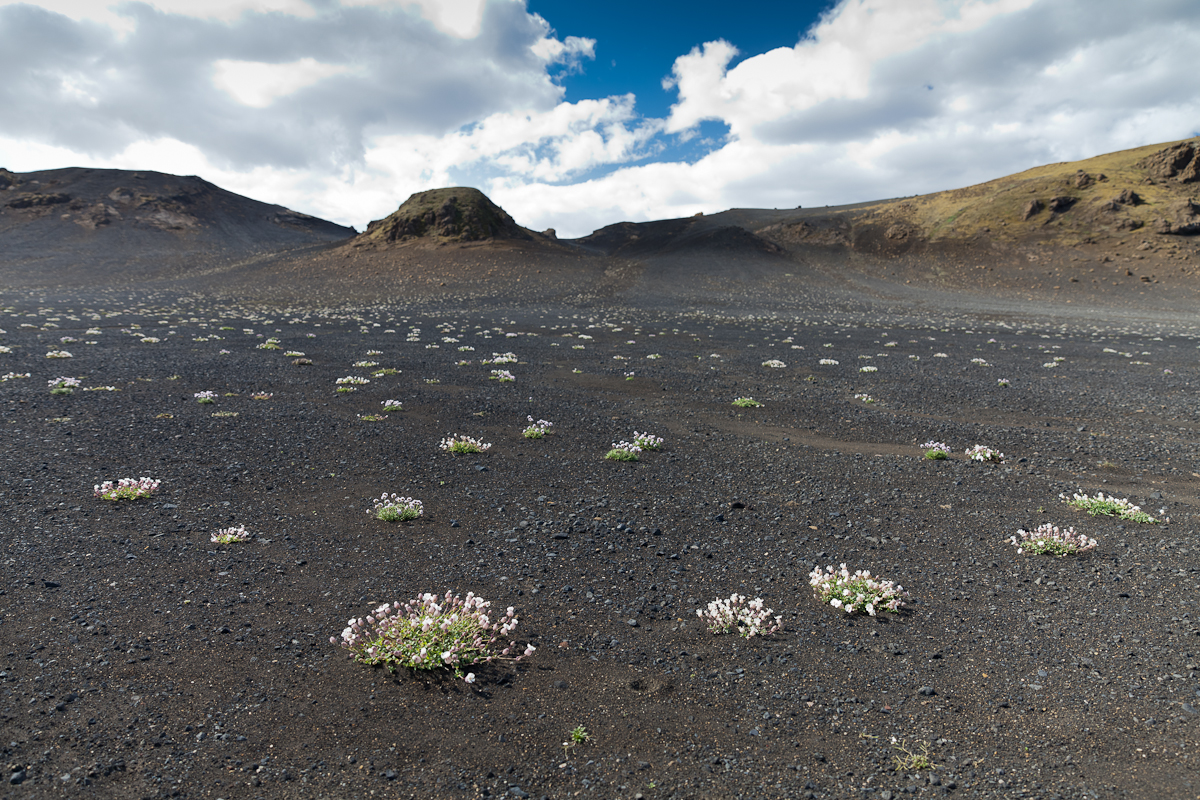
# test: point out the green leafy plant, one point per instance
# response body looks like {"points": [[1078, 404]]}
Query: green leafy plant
{"points": [[1108, 506], [909, 760], [394, 508], [747, 402], [1050, 539]]}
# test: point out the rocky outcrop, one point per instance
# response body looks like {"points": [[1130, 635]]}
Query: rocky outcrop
{"points": [[456, 215], [1184, 220], [8, 179], [1180, 163], [1060, 204], [33, 200], [1032, 208]]}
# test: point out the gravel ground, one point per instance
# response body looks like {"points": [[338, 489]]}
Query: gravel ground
{"points": [[141, 660]]}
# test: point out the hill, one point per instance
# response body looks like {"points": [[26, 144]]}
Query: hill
{"points": [[93, 226]]}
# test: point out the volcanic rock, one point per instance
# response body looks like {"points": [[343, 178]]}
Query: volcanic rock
{"points": [[458, 214]]}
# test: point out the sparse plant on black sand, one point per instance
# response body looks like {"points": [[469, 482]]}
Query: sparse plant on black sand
{"points": [[461, 445], [126, 489], [747, 402], [1108, 506], [230, 535], [855, 592], [738, 614], [537, 430], [623, 451], [432, 632], [982, 452], [394, 508], [63, 385], [936, 451], [1050, 539]]}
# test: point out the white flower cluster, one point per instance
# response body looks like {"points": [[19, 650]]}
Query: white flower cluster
{"points": [[981, 452], [230, 535], [537, 430], [647, 441], [126, 489], [352, 379], [774, 363], [747, 617], [432, 632], [463, 444], [1109, 506], [502, 375], [500, 358], [394, 508], [1049, 539], [828, 362], [857, 592]]}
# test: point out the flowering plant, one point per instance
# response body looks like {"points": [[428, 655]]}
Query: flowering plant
{"points": [[126, 489], [1108, 506], [262, 395], [623, 451], [981, 452], [458, 445], [269, 344], [352, 380], [394, 508], [747, 617], [372, 417], [502, 375], [58, 354], [431, 632], [747, 402], [855, 592], [868, 368], [391, 405], [63, 385], [366, 363], [230, 535], [647, 441], [936, 451], [500, 358], [1003, 383], [536, 430], [774, 363], [828, 362], [865, 398], [205, 397], [1049, 539]]}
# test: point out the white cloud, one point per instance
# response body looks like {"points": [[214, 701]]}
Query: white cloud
{"points": [[341, 108], [258, 85]]}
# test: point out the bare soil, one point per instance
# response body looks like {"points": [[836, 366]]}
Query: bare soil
{"points": [[138, 660]]}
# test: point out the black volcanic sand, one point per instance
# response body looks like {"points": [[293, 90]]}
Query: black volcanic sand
{"points": [[138, 660]]}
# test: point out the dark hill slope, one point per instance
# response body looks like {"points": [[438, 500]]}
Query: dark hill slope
{"points": [[100, 226]]}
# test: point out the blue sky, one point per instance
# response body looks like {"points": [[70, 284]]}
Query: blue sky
{"points": [[579, 115]]}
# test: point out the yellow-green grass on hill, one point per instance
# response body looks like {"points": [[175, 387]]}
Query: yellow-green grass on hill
{"points": [[1000, 208]]}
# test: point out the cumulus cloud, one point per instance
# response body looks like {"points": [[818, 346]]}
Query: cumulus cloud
{"points": [[341, 108]]}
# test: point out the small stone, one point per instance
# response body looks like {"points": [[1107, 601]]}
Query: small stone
{"points": [[560, 684], [926, 691], [480, 468], [390, 774], [516, 791], [633, 623], [17, 777], [51, 584]]}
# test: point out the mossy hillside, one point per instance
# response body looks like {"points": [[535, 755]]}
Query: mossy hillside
{"points": [[459, 214], [1087, 192]]}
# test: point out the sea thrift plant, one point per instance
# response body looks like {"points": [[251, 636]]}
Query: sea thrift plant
{"points": [[394, 508], [205, 397], [1049, 539], [126, 489], [432, 632], [647, 441], [868, 368], [63, 385], [537, 430], [58, 354], [828, 362], [623, 451], [459, 445], [500, 358], [936, 451], [747, 402], [502, 375], [230, 535], [857, 592], [262, 395], [982, 452], [747, 618], [774, 363], [392, 405], [1108, 506]]}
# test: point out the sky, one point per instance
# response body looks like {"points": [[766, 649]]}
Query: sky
{"points": [[573, 115]]}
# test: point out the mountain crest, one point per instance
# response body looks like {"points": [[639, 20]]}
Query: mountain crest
{"points": [[457, 214]]}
